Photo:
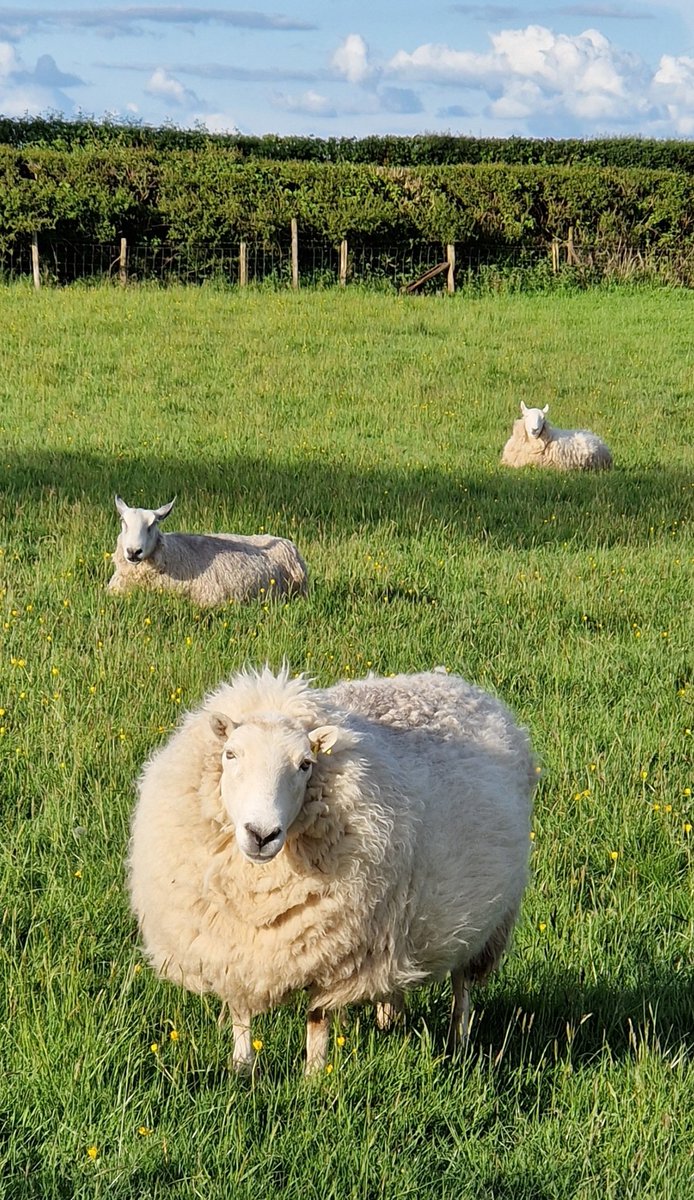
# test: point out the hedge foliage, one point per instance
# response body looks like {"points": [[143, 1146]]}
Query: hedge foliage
{"points": [[210, 195], [422, 150]]}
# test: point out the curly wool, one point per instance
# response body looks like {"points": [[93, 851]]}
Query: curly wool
{"points": [[408, 859], [212, 569], [562, 449]]}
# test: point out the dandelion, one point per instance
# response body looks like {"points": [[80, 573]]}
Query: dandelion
{"points": [[92, 689], [668, 808], [144, 1131], [656, 808], [93, 1152], [686, 792], [532, 835], [542, 926], [687, 827], [340, 1040], [644, 775], [614, 855], [55, 671], [173, 1035], [329, 1069], [137, 968], [78, 873], [154, 1047], [257, 1045]]}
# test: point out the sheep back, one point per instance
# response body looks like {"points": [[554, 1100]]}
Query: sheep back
{"points": [[561, 449], [212, 569]]}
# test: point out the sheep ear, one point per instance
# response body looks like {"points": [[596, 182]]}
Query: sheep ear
{"points": [[161, 513], [323, 738], [523, 408], [546, 409], [121, 506], [222, 725]]}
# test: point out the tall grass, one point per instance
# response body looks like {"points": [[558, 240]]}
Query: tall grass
{"points": [[368, 428]]}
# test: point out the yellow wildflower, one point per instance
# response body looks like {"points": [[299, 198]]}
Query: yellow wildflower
{"points": [[93, 1152], [614, 855], [340, 1040], [257, 1044], [173, 1035]]}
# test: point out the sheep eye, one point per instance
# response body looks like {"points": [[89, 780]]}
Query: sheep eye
{"points": [[229, 754], [305, 765]]}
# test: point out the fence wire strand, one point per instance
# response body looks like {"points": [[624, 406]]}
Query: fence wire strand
{"points": [[369, 261]]}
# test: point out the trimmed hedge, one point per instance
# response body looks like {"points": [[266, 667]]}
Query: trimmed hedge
{"points": [[422, 150], [210, 196]]}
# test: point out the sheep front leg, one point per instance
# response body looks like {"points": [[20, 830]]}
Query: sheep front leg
{"points": [[459, 1028], [388, 1010], [317, 1034], [244, 1054]]}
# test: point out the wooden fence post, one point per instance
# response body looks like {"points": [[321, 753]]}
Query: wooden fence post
{"points": [[555, 255], [243, 264], [123, 262], [450, 255], [571, 255], [35, 260], [295, 253], [343, 262]]}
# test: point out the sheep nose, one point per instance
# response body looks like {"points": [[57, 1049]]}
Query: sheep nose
{"points": [[263, 839], [134, 555]]}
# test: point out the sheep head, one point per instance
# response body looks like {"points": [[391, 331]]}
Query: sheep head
{"points": [[534, 419], [140, 529], [267, 763]]}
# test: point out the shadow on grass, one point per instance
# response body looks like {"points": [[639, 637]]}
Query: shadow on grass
{"points": [[504, 507], [562, 1016]]}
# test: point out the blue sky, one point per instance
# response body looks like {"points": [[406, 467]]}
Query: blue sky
{"points": [[349, 67]]}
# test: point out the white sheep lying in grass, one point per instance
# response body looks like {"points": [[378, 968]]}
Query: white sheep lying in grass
{"points": [[536, 443], [208, 568], [350, 842]]}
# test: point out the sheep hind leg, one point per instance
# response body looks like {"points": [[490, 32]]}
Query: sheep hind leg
{"points": [[388, 1010], [317, 1035], [459, 1027]]}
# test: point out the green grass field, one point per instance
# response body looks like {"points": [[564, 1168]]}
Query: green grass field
{"points": [[368, 428]]}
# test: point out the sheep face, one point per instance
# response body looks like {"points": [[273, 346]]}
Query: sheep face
{"points": [[139, 529], [534, 419], [266, 767]]}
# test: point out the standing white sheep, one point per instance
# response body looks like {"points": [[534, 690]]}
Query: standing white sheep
{"points": [[350, 842], [208, 568], [536, 443]]}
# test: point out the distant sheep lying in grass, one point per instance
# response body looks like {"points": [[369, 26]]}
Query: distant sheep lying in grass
{"points": [[208, 568], [350, 842], [536, 443]]}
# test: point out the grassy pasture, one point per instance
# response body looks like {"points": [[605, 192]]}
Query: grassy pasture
{"points": [[369, 429]]}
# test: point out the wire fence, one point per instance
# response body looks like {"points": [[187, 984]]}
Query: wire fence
{"points": [[317, 263]]}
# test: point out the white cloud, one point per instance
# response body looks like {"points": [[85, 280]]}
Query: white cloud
{"points": [[351, 59], [33, 91], [534, 72], [216, 122], [673, 84], [164, 86], [311, 103]]}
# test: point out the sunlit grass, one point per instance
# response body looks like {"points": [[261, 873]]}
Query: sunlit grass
{"points": [[367, 428]]}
